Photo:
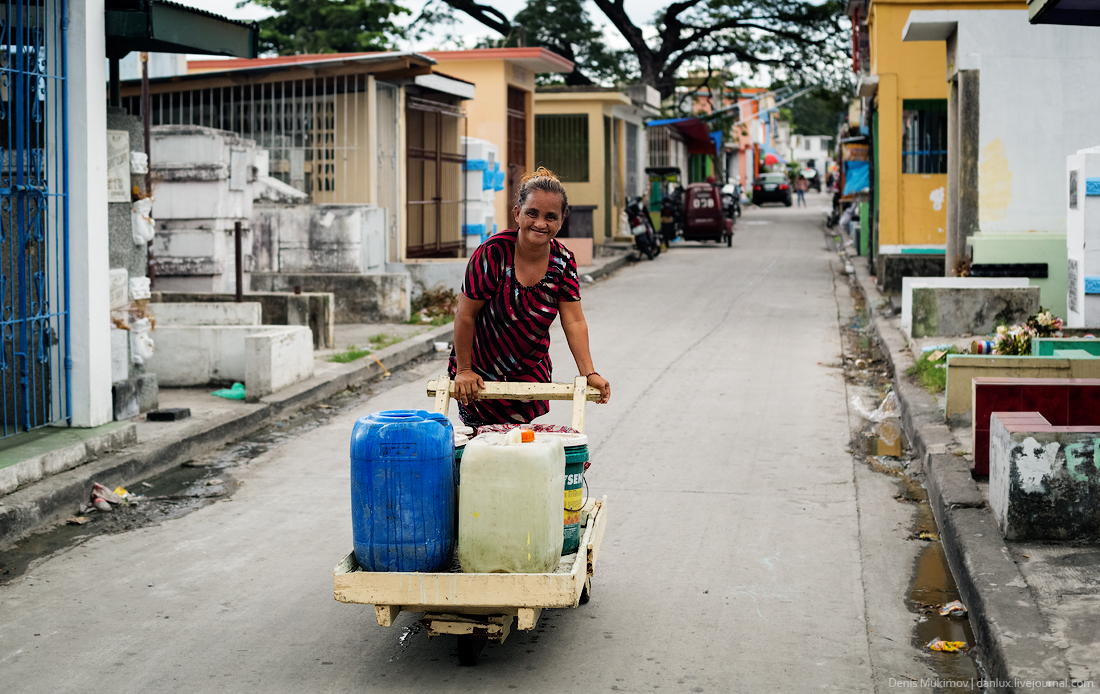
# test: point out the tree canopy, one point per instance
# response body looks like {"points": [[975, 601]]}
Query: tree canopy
{"points": [[805, 40], [329, 26], [818, 112], [565, 27]]}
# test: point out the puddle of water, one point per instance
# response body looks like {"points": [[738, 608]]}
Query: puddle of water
{"points": [[934, 586]]}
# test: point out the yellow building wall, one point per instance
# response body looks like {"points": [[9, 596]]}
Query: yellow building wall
{"points": [[909, 70], [596, 107], [487, 113], [590, 192]]}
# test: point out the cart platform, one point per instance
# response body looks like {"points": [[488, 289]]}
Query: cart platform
{"points": [[455, 594]]}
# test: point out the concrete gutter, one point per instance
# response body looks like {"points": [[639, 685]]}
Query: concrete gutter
{"points": [[53, 498], [1013, 636]]}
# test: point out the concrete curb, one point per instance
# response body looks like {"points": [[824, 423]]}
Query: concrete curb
{"points": [[1013, 635], [115, 436], [51, 499], [608, 267]]}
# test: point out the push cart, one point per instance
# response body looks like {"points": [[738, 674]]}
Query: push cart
{"points": [[480, 607]]}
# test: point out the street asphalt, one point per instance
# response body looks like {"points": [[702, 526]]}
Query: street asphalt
{"points": [[746, 551]]}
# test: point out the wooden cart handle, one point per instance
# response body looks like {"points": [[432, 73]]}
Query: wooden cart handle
{"points": [[579, 392]]}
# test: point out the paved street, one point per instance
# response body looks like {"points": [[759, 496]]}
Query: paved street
{"points": [[746, 551]]}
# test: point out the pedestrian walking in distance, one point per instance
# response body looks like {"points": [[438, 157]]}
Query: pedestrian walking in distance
{"points": [[516, 283], [800, 186]]}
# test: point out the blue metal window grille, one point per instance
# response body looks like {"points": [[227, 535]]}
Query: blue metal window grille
{"points": [[924, 136], [35, 358]]}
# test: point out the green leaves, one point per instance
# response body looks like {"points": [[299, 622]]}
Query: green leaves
{"points": [[329, 26]]}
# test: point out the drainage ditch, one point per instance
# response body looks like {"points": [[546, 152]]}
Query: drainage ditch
{"points": [[188, 487], [884, 448]]}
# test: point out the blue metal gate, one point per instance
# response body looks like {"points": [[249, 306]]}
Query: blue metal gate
{"points": [[34, 248]]}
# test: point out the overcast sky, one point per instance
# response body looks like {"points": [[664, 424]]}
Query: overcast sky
{"points": [[640, 11]]}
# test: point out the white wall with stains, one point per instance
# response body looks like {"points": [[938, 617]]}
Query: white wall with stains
{"points": [[1039, 102]]}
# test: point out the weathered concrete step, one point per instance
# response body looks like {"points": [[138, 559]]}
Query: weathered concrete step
{"points": [[29, 457]]}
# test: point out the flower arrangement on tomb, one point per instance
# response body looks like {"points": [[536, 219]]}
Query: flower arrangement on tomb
{"points": [[1016, 340]]}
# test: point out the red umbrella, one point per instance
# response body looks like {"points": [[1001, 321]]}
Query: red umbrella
{"points": [[770, 159]]}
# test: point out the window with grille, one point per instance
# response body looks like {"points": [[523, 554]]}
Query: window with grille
{"points": [[314, 129], [561, 145], [924, 136], [658, 141]]}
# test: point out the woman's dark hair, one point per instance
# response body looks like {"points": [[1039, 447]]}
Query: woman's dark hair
{"points": [[542, 179]]}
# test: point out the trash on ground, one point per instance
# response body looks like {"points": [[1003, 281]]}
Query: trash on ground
{"points": [[122, 493], [933, 348], [953, 609], [146, 485], [168, 414], [101, 492], [102, 505], [887, 409], [386, 372], [214, 482], [981, 347], [234, 393], [889, 431], [77, 520], [925, 535], [938, 644], [937, 355]]}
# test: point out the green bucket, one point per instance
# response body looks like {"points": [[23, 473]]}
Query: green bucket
{"points": [[575, 457]]}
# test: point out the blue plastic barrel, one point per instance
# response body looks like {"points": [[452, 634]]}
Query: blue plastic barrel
{"points": [[403, 491]]}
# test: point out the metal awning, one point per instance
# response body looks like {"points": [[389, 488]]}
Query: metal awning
{"points": [[699, 138], [158, 26], [1071, 12]]}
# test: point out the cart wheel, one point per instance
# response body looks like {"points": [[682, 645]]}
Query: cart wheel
{"points": [[586, 592], [470, 647]]}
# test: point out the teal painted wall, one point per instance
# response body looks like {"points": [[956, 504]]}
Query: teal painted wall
{"points": [[1038, 247], [1045, 346]]}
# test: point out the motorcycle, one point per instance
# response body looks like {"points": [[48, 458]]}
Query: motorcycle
{"points": [[672, 215], [645, 238], [834, 216], [731, 201]]}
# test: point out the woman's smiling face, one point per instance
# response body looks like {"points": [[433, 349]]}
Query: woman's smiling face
{"points": [[540, 218]]}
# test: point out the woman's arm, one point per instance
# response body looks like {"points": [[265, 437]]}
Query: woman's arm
{"points": [[467, 383], [576, 334]]}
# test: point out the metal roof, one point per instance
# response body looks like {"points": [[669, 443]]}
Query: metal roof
{"points": [[159, 26]]}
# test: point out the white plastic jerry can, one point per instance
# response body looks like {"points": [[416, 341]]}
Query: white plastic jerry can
{"points": [[510, 503]]}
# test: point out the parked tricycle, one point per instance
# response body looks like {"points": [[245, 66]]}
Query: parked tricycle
{"points": [[705, 218]]}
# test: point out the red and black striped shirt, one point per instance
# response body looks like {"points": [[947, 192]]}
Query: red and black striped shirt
{"points": [[512, 330]]}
